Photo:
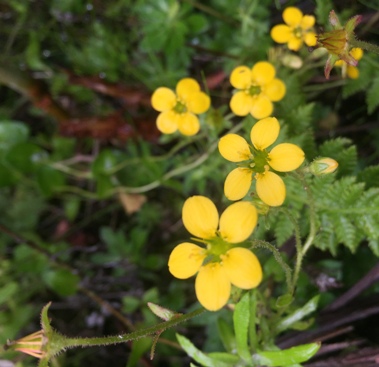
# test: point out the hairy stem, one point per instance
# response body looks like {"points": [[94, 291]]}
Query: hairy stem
{"points": [[364, 45]]}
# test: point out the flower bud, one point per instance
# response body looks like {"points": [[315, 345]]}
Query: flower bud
{"points": [[163, 313], [292, 61], [336, 41], [323, 166], [33, 344]]}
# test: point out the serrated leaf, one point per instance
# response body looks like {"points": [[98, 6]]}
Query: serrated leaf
{"points": [[346, 232], [283, 228], [343, 152], [352, 86], [370, 176]]}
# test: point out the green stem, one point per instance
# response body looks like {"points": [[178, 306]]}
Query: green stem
{"points": [[364, 45], [278, 257], [299, 247], [122, 338], [312, 231]]}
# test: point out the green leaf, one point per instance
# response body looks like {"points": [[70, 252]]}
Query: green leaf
{"points": [[229, 358], [372, 96], [33, 53], [370, 176], [7, 176], [71, 208], [366, 75], [241, 319], [7, 291], [28, 260], [62, 281], [287, 357], [343, 152], [50, 180], [25, 156], [139, 348], [104, 186], [323, 8], [284, 300], [104, 163], [12, 133], [226, 334], [198, 355], [297, 315]]}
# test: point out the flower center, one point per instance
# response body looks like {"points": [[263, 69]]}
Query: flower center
{"points": [[180, 107], [259, 161], [298, 32], [217, 246], [254, 90]]}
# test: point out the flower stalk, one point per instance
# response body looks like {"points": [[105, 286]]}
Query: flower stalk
{"points": [[48, 343]]}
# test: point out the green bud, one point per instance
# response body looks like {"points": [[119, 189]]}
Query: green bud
{"points": [[163, 313]]}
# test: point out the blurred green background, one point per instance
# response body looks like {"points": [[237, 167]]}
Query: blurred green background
{"points": [[91, 194]]}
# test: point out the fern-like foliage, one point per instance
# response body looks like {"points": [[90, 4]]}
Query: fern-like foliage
{"points": [[343, 152], [370, 176], [348, 213], [367, 73]]}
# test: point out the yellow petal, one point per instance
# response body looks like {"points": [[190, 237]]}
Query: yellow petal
{"points": [[167, 122], [292, 16], [212, 286], [163, 99], [286, 157], [281, 33], [352, 72], [310, 39], [295, 43], [357, 53], [262, 107], [185, 260], [187, 87], [238, 221], [237, 183], [241, 103], [243, 268], [308, 21], [188, 124], [200, 217], [234, 148], [262, 73], [270, 188], [240, 77], [265, 132], [198, 102], [275, 90]]}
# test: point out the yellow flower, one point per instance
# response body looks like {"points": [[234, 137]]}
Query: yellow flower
{"points": [[257, 162], [257, 89], [221, 263], [298, 29], [178, 110], [350, 70]]}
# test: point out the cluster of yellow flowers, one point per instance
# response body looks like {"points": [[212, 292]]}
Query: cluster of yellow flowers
{"points": [[223, 259]]}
